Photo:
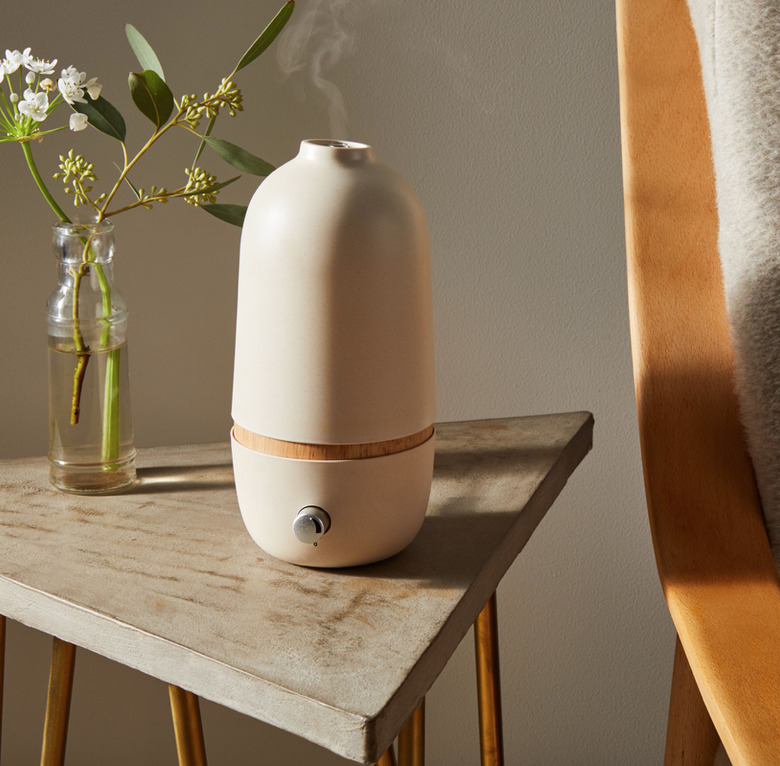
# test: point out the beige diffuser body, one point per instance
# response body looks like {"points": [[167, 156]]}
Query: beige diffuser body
{"points": [[333, 389]]}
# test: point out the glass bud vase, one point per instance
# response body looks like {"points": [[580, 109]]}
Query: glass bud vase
{"points": [[90, 427]]}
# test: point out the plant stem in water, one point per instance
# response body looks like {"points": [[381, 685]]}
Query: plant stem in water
{"points": [[78, 383], [110, 444], [110, 441], [82, 358]]}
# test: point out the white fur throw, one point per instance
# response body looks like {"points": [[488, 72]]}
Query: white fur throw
{"points": [[739, 46]]}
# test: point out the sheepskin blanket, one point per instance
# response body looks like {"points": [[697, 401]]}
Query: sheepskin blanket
{"points": [[739, 47]]}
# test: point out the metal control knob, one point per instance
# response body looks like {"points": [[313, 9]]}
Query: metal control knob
{"points": [[311, 524]]}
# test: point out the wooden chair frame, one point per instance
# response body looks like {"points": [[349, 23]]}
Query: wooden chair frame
{"points": [[711, 547]]}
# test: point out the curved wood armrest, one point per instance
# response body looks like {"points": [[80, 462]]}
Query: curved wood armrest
{"points": [[730, 631], [710, 542]]}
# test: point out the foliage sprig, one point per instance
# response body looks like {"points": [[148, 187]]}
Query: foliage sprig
{"points": [[29, 96], [33, 95]]}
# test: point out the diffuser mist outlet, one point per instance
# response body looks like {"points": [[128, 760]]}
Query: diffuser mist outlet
{"points": [[333, 388]]}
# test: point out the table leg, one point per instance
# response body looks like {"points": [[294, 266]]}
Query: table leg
{"points": [[491, 738], [187, 727], [2, 672], [55, 729], [411, 739], [387, 758]]}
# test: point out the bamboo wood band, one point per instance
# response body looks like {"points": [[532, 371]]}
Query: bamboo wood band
{"points": [[300, 451]]}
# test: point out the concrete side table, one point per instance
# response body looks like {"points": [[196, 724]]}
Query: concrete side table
{"points": [[165, 579]]}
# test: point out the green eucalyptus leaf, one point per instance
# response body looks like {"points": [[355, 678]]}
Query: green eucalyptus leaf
{"points": [[129, 183], [202, 144], [147, 58], [239, 158], [151, 95], [268, 35], [231, 213], [208, 189], [103, 116], [135, 191]]}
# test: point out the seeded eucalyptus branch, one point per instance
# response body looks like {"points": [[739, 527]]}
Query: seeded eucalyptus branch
{"points": [[23, 113], [29, 98]]}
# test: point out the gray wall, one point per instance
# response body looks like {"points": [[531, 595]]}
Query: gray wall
{"points": [[504, 116]]}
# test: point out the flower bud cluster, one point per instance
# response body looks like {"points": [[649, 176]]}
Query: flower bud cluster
{"points": [[230, 97], [227, 96], [77, 172], [191, 109], [199, 180], [154, 195]]}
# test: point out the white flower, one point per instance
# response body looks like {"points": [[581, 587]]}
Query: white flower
{"points": [[39, 66], [34, 105], [30, 78], [12, 61], [14, 98], [71, 74], [69, 85], [93, 88], [73, 83], [78, 121], [70, 92]]}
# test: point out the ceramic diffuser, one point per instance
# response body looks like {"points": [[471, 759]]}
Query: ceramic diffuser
{"points": [[333, 388]]}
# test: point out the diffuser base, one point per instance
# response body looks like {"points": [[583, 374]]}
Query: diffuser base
{"points": [[376, 505]]}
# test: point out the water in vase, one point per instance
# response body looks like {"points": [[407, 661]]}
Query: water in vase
{"points": [[91, 433]]}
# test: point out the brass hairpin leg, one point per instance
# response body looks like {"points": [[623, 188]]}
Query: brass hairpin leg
{"points": [[55, 730], [387, 758], [2, 671], [187, 727], [411, 739], [491, 738]]}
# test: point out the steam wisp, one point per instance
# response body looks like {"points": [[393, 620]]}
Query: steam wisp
{"points": [[318, 38]]}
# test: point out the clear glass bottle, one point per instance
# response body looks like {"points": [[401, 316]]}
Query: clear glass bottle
{"points": [[91, 446]]}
